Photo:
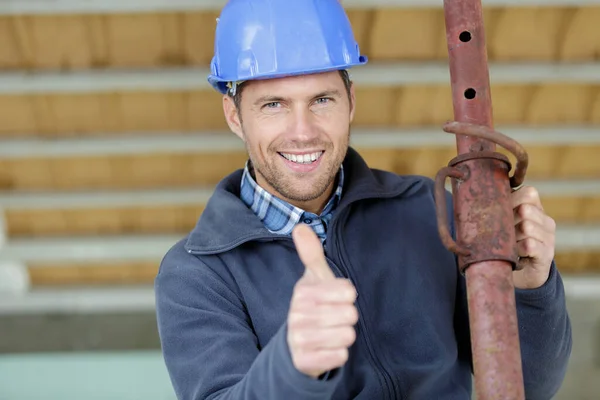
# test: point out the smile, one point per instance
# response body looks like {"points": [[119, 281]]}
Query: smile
{"points": [[306, 158]]}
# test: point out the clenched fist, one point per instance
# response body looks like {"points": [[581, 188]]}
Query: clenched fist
{"points": [[322, 313]]}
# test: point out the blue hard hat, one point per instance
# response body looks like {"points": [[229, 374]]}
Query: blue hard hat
{"points": [[261, 39]]}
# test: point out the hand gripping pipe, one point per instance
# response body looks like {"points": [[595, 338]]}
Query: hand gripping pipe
{"points": [[485, 234]]}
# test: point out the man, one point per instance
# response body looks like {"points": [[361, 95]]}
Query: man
{"points": [[310, 275]]}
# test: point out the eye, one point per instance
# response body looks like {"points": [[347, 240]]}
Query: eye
{"points": [[323, 100], [273, 104]]}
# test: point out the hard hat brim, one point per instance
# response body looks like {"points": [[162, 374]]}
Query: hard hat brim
{"points": [[221, 83]]}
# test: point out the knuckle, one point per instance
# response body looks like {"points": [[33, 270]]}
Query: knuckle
{"points": [[527, 227], [531, 193], [292, 338], [295, 304], [349, 335], [344, 283], [348, 284], [551, 223], [298, 288], [350, 314], [526, 211], [301, 293], [347, 289], [299, 339], [343, 355], [353, 315], [529, 245], [295, 320], [302, 360]]}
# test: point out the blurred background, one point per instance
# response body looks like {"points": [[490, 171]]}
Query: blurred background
{"points": [[111, 142]]}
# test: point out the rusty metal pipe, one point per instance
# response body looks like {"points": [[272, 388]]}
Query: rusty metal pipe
{"points": [[481, 186]]}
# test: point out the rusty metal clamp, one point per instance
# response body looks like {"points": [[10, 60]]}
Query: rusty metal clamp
{"points": [[461, 173]]}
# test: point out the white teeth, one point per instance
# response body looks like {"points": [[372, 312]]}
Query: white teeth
{"points": [[303, 158]]}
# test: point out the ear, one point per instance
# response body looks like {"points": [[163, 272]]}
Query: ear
{"points": [[232, 117], [352, 101]]}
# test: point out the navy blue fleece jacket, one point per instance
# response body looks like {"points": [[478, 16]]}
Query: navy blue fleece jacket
{"points": [[223, 292]]}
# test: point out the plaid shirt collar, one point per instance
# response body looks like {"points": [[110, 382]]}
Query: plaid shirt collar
{"points": [[279, 216]]}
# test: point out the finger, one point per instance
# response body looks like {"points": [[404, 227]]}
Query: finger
{"points": [[528, 212], [338, 291], [321, 360], [526, 195], [324, 316], [324, 338], [530, 248], [529, 229], [311, 254]]}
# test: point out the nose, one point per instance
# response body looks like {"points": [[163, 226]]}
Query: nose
{"points": [[302, 126]]}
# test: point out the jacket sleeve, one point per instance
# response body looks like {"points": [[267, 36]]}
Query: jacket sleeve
{"points": [[209, 346], [545, 335], [544, 331]]}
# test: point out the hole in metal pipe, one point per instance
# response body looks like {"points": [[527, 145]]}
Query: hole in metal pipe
{"points": [[465, 36], [470, 93]]}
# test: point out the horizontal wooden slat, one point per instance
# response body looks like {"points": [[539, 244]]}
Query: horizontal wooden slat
{"points": [[92, 274], [572, 262], [145, 171], [186, 38], [122, 172], [407, 106], [142, 273], [81, 220], [103, 221]]}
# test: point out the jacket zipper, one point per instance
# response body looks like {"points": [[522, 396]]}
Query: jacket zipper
{"points": [[385, 375], [361, 326]]}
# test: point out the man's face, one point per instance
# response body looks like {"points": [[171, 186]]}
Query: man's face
{"points": [[296, 132]]}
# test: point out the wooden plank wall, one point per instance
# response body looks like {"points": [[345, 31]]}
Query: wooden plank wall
{"points": [[71, 43]]}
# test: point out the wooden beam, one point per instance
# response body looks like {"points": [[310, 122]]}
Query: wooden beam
{"points": [[94, 274], [144, 273], [398, 105], [167, 219], [193, 168]]}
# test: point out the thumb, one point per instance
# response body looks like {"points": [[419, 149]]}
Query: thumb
{"points": [[311, 254]]}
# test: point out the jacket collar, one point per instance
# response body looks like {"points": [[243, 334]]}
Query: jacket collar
{"points": [[227, 222]]}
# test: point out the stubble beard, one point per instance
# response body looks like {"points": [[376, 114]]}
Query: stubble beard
{"points": [[289, 185]]}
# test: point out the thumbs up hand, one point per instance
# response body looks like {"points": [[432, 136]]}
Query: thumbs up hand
{"points": [[322, 314]]}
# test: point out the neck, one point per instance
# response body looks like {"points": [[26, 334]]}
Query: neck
{"points": [[317, 205], [314, 206]]}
